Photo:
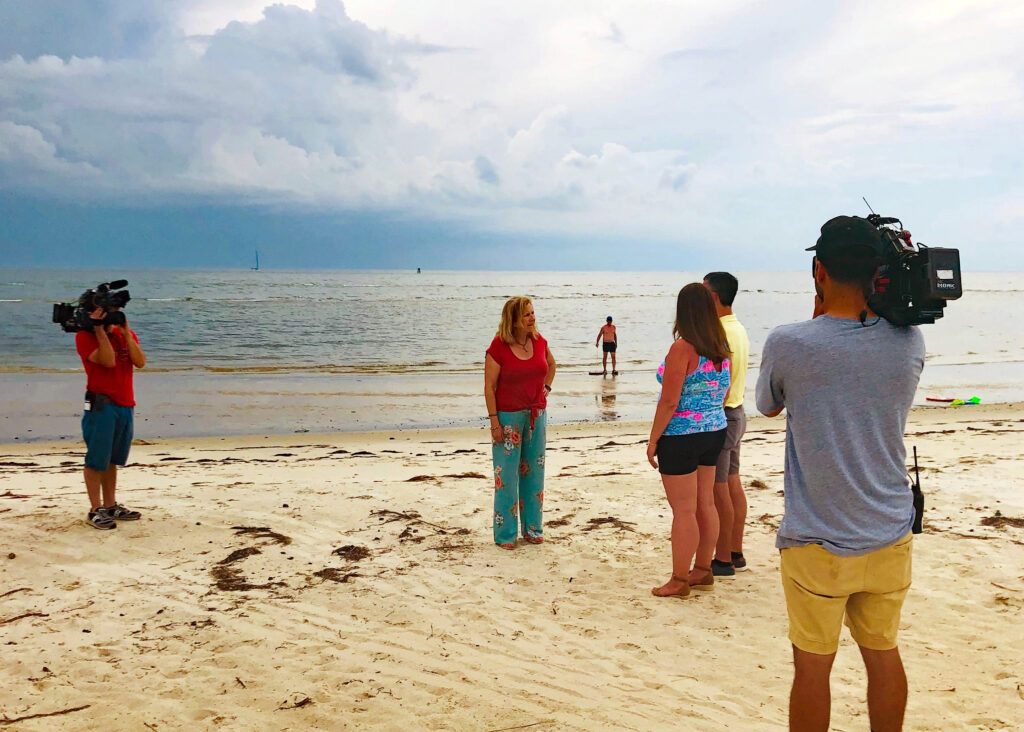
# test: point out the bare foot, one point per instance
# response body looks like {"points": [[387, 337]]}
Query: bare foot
{"points": [[675, 587]]}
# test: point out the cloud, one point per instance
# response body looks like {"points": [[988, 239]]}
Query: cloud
{"points": [[65, 28], [25, 153], [693, 54], [324, 41], [1008, 208], [486, 171], [540, 117], [307, 106], [311, 91]]}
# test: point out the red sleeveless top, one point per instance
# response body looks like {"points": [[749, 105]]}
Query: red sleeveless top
{"points": [[521, 381]]}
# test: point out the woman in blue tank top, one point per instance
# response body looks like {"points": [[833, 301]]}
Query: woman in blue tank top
{"points": [[687, 435]]}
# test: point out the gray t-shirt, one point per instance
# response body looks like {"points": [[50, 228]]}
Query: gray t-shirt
{"points": [[847, 390]]}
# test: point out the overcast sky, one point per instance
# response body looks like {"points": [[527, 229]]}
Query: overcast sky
{"points": [[527, 135]]}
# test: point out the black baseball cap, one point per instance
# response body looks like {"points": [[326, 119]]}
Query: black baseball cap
{"points": [[849, 236]]}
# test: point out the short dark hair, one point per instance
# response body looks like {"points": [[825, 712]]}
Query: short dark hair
{"points": [[852, 268], [724, 285]]}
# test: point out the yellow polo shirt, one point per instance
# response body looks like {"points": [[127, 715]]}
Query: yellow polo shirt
{"points": [[739, 344]]}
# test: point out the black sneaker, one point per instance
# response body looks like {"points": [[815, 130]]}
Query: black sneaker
{"points": [[120, 513], [722, 569], [99, 519], [738, 561]]}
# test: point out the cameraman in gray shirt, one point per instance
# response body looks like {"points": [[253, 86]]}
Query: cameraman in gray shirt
{"points": [[846, 379]]}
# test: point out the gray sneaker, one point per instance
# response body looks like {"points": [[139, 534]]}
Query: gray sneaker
{"points": [[120, 513], [99, 519]]}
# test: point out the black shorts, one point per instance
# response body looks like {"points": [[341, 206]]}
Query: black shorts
{"points": [[610, 347], [681, 454]]}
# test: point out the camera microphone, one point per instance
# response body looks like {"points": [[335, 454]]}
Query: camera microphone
{"points": [[117, 284]]}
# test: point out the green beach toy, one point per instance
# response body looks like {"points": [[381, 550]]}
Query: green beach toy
{"points": [[961, 402]]}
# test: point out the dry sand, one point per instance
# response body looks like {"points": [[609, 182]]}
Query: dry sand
{"points": [[349, 581]]}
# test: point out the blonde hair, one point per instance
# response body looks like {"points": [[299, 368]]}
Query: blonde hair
{"points": [[511, 314]]}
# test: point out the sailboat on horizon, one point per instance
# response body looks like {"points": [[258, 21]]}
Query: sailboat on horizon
{"points": [[257, 267]]}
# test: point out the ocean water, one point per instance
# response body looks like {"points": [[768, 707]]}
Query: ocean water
{"points": [[237, 351]]}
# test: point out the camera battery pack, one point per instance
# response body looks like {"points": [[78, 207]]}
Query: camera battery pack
{"points": [[944, 274]]}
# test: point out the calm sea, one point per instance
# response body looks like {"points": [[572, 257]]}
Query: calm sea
{"points": [[285, 351]]}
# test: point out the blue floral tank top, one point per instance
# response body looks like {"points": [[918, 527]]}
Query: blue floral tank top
{"points": [[701, 401]]}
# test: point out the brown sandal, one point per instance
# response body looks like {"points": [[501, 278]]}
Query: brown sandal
{"points": [[681, 592], [706, 582], [510, 545]]}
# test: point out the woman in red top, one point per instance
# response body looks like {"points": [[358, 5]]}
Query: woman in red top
{"points": [[518, 371]]}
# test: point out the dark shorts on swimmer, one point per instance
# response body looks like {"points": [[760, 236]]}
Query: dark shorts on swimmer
{"points": [[681, 454], [108, 433], [610, 347]]}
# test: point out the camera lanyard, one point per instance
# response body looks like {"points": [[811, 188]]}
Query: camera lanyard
{"points": [[864, 318], [869, 290]]}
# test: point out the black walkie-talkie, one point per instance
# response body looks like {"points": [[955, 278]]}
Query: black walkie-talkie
{"points": [[915, 487]]}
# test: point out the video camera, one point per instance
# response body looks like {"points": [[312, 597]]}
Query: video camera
{"points": [[914, 281], [77, 316]]}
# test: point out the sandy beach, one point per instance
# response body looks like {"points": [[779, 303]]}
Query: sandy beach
{"points": [[349, 581]]}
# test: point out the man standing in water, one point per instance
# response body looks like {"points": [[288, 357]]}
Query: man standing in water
{"points": [[611, 344], [846, 379], [730, 502]]}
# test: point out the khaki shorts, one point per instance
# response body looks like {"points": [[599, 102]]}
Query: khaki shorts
{"points": [[729, 459], [821, 588]]}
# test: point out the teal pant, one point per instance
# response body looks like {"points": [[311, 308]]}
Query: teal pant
{"points": [[519, 477]]}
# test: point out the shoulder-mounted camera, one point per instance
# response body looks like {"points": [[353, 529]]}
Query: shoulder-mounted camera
{"points": [[76, 316], [914, 281]]}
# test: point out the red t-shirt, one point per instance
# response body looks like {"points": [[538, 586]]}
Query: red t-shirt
{"points": [[521, 381], [115, 382]]}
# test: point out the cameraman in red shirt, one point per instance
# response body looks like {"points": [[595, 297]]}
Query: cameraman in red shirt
{"points": [[109, 353]]}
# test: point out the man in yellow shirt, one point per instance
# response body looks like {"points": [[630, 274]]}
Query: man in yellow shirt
{"points": [[729, 498]]}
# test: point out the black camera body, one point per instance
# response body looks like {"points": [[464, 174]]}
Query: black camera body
{"points": [[77, 316], [914, 281]]}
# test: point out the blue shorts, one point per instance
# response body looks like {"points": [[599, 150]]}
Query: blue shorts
{"points": [[108, 435]]}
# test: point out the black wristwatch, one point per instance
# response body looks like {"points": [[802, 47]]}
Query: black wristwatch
{"points": [[548, 387]]}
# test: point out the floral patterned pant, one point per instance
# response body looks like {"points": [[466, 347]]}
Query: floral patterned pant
{"points": [[519, 477]]}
